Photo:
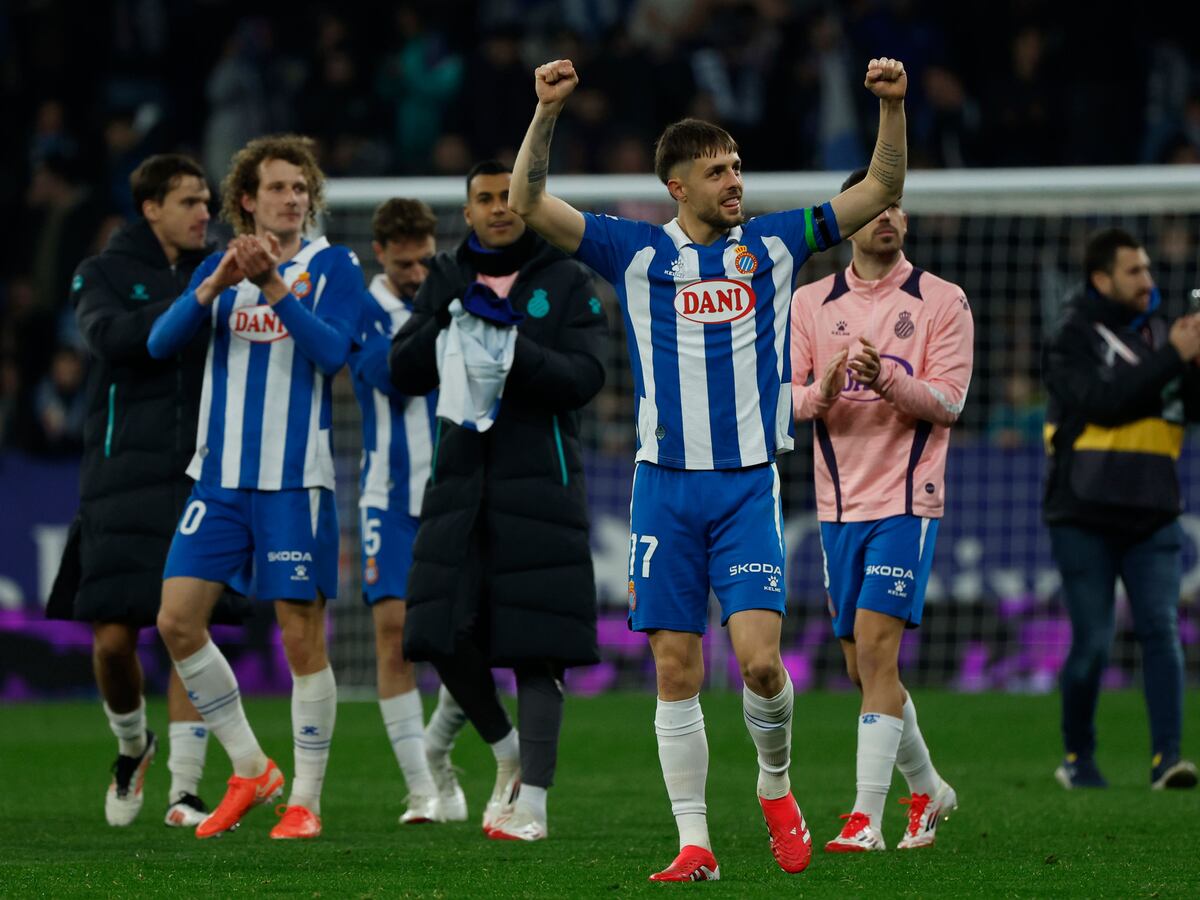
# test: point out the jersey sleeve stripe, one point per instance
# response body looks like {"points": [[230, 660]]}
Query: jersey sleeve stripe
{"points": [[826, 238], [809, 237]]}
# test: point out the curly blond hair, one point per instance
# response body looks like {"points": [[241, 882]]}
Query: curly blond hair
{"points": [[242, 178]]}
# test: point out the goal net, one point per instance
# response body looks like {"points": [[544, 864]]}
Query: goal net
{"points": [[1013, 239]]}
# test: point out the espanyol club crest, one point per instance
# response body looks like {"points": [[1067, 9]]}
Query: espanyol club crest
{"points": [[371, 571], [743, 260], [257, 324], [714, 301], [302, 286], [904, 325], [632, 597]]}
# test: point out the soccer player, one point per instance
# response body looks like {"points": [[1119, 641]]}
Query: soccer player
{"points": [[261, 516], [140, 433], [397, 449], [705, 300], [887, 349]]}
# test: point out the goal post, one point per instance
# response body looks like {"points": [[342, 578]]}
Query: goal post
{"points": [[1013, 239]]}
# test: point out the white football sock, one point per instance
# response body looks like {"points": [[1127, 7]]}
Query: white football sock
{"points": [[213, 690], [507, 751], [769, 721], [447, 721], [878, 740], [912, 756], [533, 800], [189, 741], [404, 720], [683, 754], [314, 709], [129, 728]]}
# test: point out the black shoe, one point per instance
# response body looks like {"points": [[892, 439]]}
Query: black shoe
{"points": [[1173, 772], [1078, 772]]}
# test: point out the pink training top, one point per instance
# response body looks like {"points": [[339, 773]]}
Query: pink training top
{"points": [[881, 451]]}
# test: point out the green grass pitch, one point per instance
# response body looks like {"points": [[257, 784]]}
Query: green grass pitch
{"points": [[1017, 834]]}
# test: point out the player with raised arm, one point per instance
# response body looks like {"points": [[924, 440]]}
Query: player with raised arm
{"points": [[706, 300], [397, 451], [261, 516], [881, 361]]}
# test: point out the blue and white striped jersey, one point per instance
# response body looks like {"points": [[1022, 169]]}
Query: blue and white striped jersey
{"points": [[266, 406], [707, 328], [397, 429]]}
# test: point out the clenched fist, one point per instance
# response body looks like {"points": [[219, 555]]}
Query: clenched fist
{"points": [[886, 79], [554, 81]]}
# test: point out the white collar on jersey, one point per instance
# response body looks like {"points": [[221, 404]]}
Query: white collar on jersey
{"points": [[307, 252], [677, 234], [382, 292]]}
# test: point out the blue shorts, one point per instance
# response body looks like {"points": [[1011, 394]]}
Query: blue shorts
{"points": [[387, 542], [695, 530], [882, 566], [273, 545]]}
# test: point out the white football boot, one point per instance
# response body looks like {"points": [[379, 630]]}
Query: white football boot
{"points": [[924, 814], [858, 836], [123, 801]]}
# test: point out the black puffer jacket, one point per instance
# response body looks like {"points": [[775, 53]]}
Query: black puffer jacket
{"points": [[502, 550], [1119, 396], [139, 435]]}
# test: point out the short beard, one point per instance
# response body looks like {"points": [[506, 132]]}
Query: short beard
{"points": [[717, 222], [888, 254]]}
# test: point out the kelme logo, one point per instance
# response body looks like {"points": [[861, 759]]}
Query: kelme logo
{"points": [[714, 301]]}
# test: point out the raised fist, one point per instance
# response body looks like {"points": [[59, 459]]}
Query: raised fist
{"points": [[886, 79], [554, 81]]}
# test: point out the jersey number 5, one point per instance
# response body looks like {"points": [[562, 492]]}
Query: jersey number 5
{"points": [[372, 539]]}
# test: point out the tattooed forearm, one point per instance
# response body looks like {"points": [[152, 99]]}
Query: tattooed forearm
{"points": [[888, 165], [539, 155]]}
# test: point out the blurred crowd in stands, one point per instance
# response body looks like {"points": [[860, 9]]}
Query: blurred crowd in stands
{"points": [[418, 88]]}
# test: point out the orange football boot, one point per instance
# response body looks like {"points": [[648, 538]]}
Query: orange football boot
{"points": [[295, 822], [240, 797]]}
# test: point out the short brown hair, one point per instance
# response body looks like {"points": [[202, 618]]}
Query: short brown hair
{"points": [[689, 139], [401, 219], [243, 177], [156, 176]]}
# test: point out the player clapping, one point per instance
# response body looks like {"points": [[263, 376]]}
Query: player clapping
{"points": [[261, 516]]}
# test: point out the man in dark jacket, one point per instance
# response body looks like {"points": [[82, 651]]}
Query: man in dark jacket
{"points": [[138, 438], [502, 568], [1118, 379]]}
